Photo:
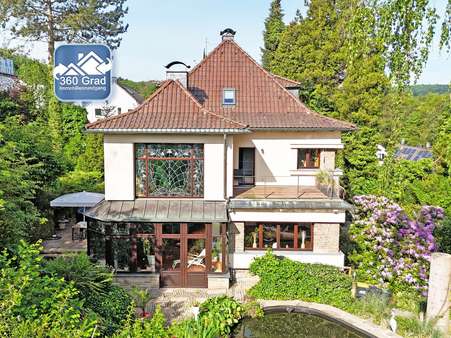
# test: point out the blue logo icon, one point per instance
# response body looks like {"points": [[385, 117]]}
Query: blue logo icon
{"points": [[82, 72]]}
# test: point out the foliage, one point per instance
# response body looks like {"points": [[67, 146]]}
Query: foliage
{"points": [[78, 21], [282, 278], [87, 277], [109, 303], [142, 297], [424, 89], [373, 307], [32, 304], [192, 328], [155, 327], [412, 327], [112, 308], [222, 312], [144, 88], [92, 158], [253, 309], [79, 180], [392, 250], [274, 26], [442, 235]]}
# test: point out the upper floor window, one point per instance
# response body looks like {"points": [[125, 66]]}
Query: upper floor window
{"points": [[309, 158], [228, 96], [169, 170]]}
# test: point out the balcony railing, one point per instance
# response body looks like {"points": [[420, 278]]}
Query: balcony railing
{"points": [[289, 187]]}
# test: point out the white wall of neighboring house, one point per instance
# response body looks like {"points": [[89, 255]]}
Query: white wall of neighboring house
{"points": [[276, 155], [119, 163], [120, 99]]}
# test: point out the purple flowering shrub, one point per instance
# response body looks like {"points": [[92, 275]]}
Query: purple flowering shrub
{"points": [[390, 248]]}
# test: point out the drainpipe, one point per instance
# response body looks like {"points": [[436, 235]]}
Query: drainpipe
{"points": [[225, 166]]}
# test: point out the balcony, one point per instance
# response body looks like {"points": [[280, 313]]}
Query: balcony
{"points": [[283, 187]]}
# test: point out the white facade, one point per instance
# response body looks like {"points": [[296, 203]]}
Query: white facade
{"points": [[119, 102], [275, 159], [119, 163]]}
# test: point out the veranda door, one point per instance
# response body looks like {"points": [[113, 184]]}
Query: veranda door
{"points": [[183, 254]]}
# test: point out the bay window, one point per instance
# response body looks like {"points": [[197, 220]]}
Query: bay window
{"points": [[278, 236], [169, 170]]}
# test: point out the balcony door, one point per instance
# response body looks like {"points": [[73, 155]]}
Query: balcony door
{"points": [[246, 166], [184, 254]]}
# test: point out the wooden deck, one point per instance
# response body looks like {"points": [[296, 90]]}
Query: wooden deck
{"points": [[277, 192], [63, 245]]}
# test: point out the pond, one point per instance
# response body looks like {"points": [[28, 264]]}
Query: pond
{"points": [[294, 324]]}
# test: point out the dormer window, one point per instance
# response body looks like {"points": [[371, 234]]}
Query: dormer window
{"points": [[228, 96]]}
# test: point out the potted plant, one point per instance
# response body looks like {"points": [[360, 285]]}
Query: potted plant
{"points": [[141, 297], [147, 247]]}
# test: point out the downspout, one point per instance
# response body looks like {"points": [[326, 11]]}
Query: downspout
{"points": [[225, 166]]}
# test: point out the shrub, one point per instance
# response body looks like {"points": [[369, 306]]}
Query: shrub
{"points": [[373, 307], [88, 277], [282, 278], [37, 305], [108, 302], [391, 249], [154, 327], [222, 312], [442, 235], [111, 308]]}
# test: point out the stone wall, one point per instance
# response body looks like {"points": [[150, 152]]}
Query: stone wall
{"points": [[142, 281], [326, 238]]}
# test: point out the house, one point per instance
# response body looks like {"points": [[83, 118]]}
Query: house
{"points": [[411, 153], [220, 164], [122, 99], [7, 78]]}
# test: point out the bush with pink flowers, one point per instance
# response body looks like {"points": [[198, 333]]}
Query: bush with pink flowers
{"points": [[391, 249]]}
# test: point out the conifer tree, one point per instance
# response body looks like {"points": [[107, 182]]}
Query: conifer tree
{"points": [[274, 26]]}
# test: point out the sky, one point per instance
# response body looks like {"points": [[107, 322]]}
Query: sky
{"points": [[164, 31]]}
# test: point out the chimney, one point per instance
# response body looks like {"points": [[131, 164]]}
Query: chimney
{"points": [[228, 34], [178, 70]]}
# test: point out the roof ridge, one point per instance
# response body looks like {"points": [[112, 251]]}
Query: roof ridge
{"points": [[115, 117]]}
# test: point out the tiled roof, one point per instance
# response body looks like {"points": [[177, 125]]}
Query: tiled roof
{"points": [[261, 100], [171, 107], [285, 82]]}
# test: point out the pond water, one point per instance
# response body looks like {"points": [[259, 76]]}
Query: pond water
{"points": [[278, 325]]}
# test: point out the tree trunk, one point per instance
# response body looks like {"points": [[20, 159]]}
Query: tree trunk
{"points": [[50, 32]]}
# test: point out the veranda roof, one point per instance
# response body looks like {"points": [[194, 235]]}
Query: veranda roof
{"points": [[159, 210], [77, 200]]}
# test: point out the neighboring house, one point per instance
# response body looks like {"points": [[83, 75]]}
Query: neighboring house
{"points": [[122, 100], [211, 171], [410, 153], [405, 152], [7, 78]]}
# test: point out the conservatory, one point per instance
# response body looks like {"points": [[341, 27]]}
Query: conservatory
{"points": [[183, 251]]}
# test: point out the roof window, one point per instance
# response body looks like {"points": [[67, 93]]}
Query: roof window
{"points": [[228, 96]]}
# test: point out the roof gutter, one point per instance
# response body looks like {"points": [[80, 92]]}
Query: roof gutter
{"points": [[167, 130], [302, 129]]}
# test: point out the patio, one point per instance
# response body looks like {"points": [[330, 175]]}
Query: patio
{"points": [[63, 244]]}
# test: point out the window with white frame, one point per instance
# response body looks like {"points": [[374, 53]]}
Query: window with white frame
{"points": [[228, 96]]}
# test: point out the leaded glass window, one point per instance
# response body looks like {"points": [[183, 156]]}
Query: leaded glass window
{"points": [[169, 170]]}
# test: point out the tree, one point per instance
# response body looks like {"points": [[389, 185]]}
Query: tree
{"points": [[274, 26], [70, 21]]}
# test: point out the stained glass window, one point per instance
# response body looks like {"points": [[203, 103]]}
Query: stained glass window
{"points": [[169, 170]]}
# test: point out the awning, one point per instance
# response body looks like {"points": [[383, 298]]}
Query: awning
{"points": [[159, 210], [77, 200]]}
